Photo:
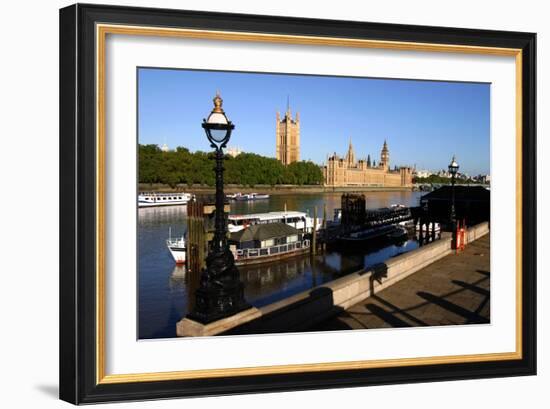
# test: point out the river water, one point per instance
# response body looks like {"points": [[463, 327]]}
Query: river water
{"points": [[165, 290]]}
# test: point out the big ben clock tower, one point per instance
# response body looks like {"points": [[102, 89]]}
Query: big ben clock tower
{"points": [[385, 156]]}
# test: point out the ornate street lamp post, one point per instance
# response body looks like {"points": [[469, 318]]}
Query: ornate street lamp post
{"points": [[453, 170], [221, 293]]}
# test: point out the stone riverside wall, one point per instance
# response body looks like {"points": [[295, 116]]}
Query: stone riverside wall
{"points": [[312, 306], [477, 231], [305, 309]]}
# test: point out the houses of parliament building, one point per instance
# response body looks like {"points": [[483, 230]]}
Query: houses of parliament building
{"points": [[344, 171], [347, 171]]}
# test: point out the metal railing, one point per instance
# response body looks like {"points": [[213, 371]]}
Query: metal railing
{"points": [[270, 251]]}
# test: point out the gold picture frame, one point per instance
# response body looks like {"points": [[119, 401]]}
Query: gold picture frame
{"points": [[97, 23]]}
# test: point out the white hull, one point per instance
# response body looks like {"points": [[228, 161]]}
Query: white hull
{"points": [[248, 197], [177, 249], [301, 225], [163, 199], [178, 255], [157, 204]]}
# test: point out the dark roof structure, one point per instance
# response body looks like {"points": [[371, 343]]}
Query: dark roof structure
{"points": [[462, 193], [472, 204], [264, 232]]}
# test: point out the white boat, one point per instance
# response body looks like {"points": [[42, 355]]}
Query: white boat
{"points": [[163, 199], [177, 248], [249, 196], [299, 220]]}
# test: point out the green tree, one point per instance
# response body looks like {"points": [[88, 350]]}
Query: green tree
{"points": [[248, 169]]}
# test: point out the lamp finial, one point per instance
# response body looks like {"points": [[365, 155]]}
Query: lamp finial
{"points": [[218, 101]]}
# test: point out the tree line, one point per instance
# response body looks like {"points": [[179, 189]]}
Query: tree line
{"points": [[442, 180], [181, 166]]}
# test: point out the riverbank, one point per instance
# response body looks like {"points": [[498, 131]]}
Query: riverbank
{"points": [[273, 190], [428, 286]]}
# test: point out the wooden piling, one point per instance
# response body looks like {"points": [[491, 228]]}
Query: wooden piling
{"points": [[324, 244], [314, 233], [193, 271], [196, 238]]}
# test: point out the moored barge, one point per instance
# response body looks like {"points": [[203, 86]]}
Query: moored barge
{"points": [[262, 243]]}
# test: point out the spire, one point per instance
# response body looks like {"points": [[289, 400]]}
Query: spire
{"points": [[288, 104], [350, 156], [350, 147]]}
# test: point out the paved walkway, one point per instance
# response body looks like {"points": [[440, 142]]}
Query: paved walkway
{"points": [[453, 290]]}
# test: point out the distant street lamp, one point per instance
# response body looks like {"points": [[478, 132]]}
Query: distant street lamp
{"points": [[453, 170], [221, 293]]}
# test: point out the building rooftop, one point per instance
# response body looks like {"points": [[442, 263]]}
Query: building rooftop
{"points": [[264, 232], [461, 193]]}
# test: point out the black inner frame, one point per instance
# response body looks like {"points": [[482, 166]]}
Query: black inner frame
{"points": [[78, 198]]}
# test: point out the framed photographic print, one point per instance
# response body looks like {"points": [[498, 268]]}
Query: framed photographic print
{"points": [[257, 203]]}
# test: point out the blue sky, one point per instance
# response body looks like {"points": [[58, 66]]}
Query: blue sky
{"points": [[424, 122]]}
